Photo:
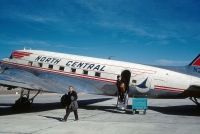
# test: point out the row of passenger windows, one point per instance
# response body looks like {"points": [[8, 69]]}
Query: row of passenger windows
{"points": [[62, 68]]}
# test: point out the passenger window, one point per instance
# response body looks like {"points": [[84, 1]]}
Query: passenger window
{"points": [[50, 66], [61, 68], [134, 81], [85, 72], [30, 63], [73, 70], [40, 64], [97, 74]]}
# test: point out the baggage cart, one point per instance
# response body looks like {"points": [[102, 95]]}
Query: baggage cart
{"points": [[139, 104]]}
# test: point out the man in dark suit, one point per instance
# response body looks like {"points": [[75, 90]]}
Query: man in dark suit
{"points": [[72, 105]]}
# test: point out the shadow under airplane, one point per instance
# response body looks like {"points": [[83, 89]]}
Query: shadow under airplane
{"points": [[7, 109], [185, 110]]}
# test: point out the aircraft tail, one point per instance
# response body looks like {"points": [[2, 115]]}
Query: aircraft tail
{"points": [[194, 66]]}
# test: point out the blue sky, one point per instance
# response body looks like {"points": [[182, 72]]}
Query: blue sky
{"points": [[158, 32]]}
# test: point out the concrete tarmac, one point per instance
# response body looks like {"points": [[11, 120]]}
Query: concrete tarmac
{"points": [[98, 115]]}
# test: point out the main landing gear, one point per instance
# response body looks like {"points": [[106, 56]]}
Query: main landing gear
{"points": [[24, 102], [195, 100]]}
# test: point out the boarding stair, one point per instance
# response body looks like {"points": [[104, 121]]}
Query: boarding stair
{"points": [[122, 104]]}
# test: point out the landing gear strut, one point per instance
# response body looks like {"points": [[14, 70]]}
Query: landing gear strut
{"points": [[24, 102], [195, 100]]}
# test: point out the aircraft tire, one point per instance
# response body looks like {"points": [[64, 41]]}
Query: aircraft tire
{"points": [[22, 104]]}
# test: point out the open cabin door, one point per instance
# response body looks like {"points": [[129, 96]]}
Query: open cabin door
{"points": [[125, 77]]}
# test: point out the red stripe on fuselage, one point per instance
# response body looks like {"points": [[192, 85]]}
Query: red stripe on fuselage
{"points": [[172, 89]]}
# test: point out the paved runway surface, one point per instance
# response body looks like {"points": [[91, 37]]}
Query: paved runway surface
{"points": [[98, 115]]}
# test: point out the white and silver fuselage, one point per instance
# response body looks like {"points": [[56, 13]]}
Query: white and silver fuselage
{"points": [[96, 75]]}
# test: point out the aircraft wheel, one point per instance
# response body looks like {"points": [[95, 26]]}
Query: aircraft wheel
{"points": [[22, 104]]}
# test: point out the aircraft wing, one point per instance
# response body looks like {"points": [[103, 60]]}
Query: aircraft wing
{"points": [[13, 78]]}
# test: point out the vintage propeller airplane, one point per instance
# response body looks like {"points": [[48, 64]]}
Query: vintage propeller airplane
{"points": [[53, 72]]}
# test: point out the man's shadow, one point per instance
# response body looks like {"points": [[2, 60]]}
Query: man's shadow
{"points": [[51, 117]]}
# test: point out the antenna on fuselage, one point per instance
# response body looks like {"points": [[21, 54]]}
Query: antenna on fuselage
{"points": [[26, 49]]}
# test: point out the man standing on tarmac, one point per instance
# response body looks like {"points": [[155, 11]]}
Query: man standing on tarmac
{"points": [[73, 105]]}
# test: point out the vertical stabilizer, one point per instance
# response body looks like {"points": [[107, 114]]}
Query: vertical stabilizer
{"points": [[194, 66]]}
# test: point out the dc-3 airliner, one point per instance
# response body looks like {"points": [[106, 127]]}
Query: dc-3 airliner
{"points": [[53, 72]]}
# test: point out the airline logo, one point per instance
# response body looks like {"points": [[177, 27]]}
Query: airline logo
{"points": [[19, 54], [85, 65], [196, 64], [47, 60], [72, 64], [196, 69], [196, 61]]}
